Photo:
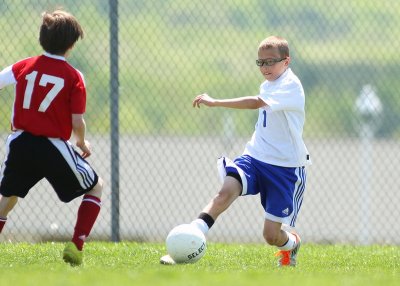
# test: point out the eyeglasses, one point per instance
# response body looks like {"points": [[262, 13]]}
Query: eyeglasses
{"points": [[268, 62]]}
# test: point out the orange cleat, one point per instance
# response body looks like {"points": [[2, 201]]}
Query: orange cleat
{"points": [[288, 257]]}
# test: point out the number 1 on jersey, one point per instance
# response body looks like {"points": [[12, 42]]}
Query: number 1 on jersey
{"points": [[58, 84], [264, 118]]}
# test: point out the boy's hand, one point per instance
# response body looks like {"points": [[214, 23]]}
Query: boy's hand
{"points": [[204, 99], [85, 147]]}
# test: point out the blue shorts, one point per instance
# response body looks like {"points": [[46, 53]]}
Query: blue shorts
{"points": [[281, 189]]}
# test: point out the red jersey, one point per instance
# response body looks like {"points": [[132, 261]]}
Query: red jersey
{"points": [[48, 91]]}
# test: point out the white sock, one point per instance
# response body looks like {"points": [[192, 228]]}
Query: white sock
{"points": [[201, 224], [290, 244]]}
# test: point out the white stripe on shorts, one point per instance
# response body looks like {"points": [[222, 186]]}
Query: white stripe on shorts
{"points": [[298, 193], [82, 170]]}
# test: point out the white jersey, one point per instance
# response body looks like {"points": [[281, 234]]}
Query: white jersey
{"points": [[277, 139]]}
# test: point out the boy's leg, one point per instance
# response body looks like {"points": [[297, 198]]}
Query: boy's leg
{"points": [[282, 204], [230, 191], [288, 243], [87, 215], [6, 205]]}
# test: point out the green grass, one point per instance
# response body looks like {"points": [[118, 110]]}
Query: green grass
{"points": [[129, 263]]}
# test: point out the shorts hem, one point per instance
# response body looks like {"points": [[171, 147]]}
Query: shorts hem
{"points": [[284, 220]]}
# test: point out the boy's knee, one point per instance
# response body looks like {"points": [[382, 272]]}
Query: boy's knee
{"points": [[271, 238], [7, 204], [97, 189], [224, 197], [272, 234], [100, 183]]}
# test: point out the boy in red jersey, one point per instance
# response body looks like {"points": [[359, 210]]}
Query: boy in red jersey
{"points": [[50, 100]]}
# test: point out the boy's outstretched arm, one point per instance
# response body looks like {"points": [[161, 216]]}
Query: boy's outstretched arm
{"points": [[246, 102]]}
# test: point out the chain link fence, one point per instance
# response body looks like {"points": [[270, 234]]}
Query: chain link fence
{"points": [[158, 155]]}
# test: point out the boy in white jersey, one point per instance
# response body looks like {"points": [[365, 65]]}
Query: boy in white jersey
{"points": [[273, 161]]}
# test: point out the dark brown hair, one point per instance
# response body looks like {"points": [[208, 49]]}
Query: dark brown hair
{"points": [[59, 32], [276, 42]]}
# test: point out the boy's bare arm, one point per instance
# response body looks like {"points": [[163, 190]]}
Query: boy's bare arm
{"points": [[79, 130], [246, 102]]}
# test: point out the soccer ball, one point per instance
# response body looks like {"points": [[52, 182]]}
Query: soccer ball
{"points": [[186, 244]]}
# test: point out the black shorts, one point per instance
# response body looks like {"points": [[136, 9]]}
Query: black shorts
{"points": [[31, 158]]}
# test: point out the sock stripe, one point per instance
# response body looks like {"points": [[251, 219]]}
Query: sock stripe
{"points": [[3, 221], [92, 201], [207, 219]]}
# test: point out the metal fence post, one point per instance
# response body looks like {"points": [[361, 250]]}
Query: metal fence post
{"points": [[114, 111]]}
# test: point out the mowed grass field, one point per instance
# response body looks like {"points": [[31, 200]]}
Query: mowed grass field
{"points": [[129, 263]]}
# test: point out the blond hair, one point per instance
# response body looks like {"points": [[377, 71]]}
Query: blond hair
{"points": [[276, 42]]}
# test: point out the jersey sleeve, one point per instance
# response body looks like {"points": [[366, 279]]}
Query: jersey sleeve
{"points": [[289, 96], [7, 77], [78, 96]]}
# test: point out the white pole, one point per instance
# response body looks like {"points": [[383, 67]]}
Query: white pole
{"points": [[367, 135], [369, 107]]}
